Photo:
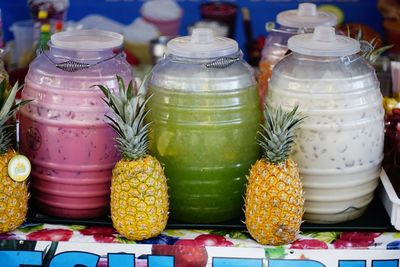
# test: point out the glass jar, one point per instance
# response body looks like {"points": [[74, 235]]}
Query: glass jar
{"points": [[291, 22], [205, 116], [339, 147], [64, 131]]}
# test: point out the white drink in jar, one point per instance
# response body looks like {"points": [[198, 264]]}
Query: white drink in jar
{"points": [[339, 148]]}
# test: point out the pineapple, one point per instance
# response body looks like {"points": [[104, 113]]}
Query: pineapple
{"points": [[139, 195], [13, 195], [274, 200]]}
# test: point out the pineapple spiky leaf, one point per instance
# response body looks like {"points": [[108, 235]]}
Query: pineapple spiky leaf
{"points": [[277, 134], [131, 89], [7, 111], [7, 99], [105, 91], [3, 92], [6, 138], [122, 89], [368, 48], [129, 111]]}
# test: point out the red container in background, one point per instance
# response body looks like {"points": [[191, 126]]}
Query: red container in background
{"points": [[164, 14], [392, 140], [222, 12], [392, 33]]}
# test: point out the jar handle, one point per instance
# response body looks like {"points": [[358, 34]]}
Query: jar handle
{"points": [[270, 26], [72, 65], [221, 62], [365, 51]]}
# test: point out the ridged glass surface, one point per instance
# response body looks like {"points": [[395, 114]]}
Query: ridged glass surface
{"points": [[339, 147]]}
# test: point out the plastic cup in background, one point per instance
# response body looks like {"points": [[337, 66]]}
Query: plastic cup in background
{"points": [[23, 42], [166, 27], [222, 12], [218, 28], [158, 48], [141, 51], [137, 39], [164, 14]]}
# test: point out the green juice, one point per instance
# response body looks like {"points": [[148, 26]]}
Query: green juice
{"points": [[207, 143]]}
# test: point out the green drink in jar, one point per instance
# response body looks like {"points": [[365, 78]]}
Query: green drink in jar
{"points": [[204, 124]]}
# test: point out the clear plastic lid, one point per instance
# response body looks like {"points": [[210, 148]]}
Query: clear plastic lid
{"points": [[306, 16], [323, 42], [202, 44], [87, 40], [140, 31]]}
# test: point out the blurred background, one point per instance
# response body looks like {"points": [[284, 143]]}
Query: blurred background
{"points": [[143, 22], [261, 11]]}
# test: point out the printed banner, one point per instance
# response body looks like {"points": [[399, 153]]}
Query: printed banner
{"points": [[51, 245], [69, 254]]}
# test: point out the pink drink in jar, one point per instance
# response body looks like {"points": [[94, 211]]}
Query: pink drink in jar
{"points": [[63, 130]]}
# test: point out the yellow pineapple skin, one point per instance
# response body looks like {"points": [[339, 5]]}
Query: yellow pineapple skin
{"points": [[13, 197], [274, 202], [139, 198]]}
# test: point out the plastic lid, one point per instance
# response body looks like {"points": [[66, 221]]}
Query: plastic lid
{"points": [[202, 44], [306, 16], [323, 42], [87, 40]]}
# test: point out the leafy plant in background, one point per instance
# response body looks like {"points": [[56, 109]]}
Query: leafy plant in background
{"points": [[368, 48]]}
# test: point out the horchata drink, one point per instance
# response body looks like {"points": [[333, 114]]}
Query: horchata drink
{"points": [[339, 147], [205, 116], [64, 131]]}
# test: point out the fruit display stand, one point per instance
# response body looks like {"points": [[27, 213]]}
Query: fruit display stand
{"points": [[69, 245], [370, 240]]}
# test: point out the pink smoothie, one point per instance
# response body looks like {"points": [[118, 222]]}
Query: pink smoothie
{"points": [[65, 134]]}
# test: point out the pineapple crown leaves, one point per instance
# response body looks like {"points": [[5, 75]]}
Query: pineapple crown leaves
{"points": [[7, 101], [277, 134], [129, 109], [8, 109], [6, 137], [368, 48]]}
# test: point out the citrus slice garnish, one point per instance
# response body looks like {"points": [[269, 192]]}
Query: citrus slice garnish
{"points": [[19, 168]]}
